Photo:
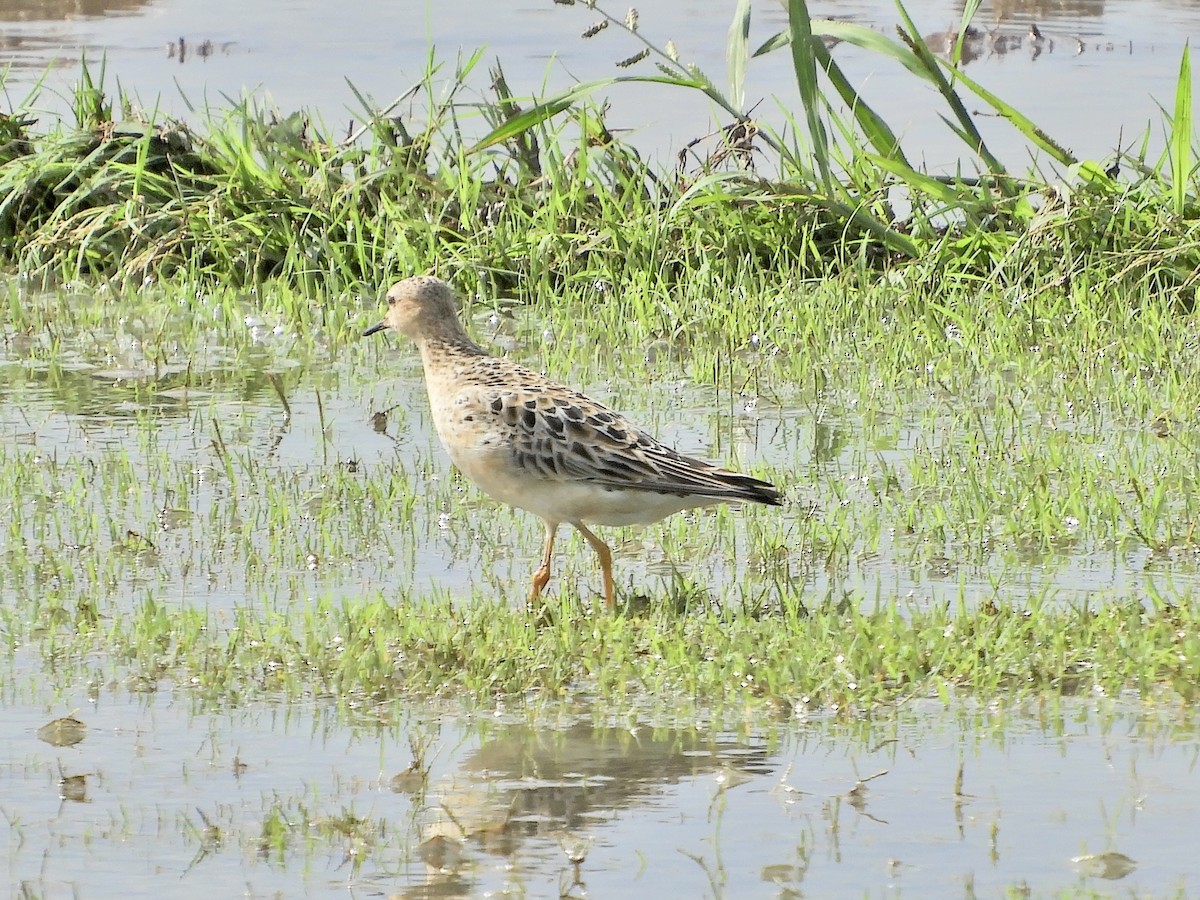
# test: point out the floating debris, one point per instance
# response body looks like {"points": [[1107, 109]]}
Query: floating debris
{"points": [[65, 732], [73, 788], [1109, 865], [441, 853], [410, 781]]}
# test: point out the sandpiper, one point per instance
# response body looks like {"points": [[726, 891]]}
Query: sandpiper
{"points": [[543, 447]]}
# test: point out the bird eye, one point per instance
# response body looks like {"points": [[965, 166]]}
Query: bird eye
{"points": [[391, 301]]}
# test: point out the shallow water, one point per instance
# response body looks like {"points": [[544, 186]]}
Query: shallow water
{"points": [[1092, 81], [156, 459], [162, 799], [176, 471]]}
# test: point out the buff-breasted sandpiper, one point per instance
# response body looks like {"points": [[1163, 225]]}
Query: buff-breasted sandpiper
{"points": [[545, 448]]}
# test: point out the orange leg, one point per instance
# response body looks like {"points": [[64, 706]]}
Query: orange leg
{"points": [[605, 555], [542, 576]]}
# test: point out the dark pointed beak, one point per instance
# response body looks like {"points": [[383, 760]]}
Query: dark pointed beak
{"points": [[374, 328]]}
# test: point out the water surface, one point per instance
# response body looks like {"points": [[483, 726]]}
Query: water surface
{"points": [[1092, 80], [163, 799], [178, 471]]}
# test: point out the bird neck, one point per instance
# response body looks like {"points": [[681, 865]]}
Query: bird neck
{"points": [[437, 348]]}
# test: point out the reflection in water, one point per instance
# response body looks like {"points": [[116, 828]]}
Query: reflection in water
{"points": [[1070, 11], [127, 392], [980, 44], [527, 783], [42, 10], [26, 45], [373, 43], [137, 366], [35, 51], [1042, 797]]}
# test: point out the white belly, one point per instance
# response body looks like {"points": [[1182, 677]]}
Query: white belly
{"points": [[566, 501]]}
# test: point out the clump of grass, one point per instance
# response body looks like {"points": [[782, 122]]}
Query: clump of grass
{"points": [[848, 657], [254, 197], [1076, 219], [547, 195]]}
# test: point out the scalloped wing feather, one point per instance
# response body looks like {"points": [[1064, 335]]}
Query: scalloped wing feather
{"points": [[562, 435]]}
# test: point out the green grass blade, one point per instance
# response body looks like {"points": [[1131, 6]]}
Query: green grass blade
{"points": [[970, 8], [1181, 133], [805, 64], [874, 128], [933, 67], [881, 231], [776, 41], [1019, 120], [736, 53], [864, 38], [553, 106], [918, 181]]}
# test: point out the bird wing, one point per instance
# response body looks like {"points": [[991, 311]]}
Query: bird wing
{"points": [[562, 435]]}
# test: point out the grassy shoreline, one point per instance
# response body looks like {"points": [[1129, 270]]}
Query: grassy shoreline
{"points": [[548, 197]]}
